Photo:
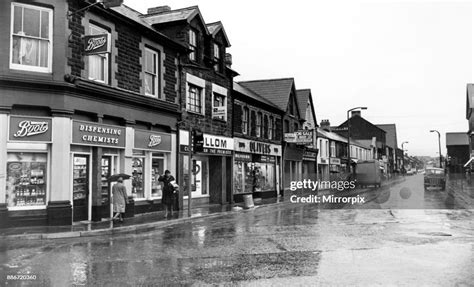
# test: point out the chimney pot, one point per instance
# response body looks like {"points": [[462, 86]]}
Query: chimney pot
{"points": [[355, 113]]}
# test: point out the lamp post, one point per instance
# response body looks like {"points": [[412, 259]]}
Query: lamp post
{"points": [[349, 137], [439, 145], [403, 155]]}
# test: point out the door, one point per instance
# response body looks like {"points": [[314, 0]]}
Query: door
{"points": [[106, 171], [80, 189]]}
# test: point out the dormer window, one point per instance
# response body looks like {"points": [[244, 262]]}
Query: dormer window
{"points": [[193, 45], [217, 58]]}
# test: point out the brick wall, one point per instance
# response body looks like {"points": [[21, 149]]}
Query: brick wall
{"points": [[128, 58], [75, 59], [170, 75]]}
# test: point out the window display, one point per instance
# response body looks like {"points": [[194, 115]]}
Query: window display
{"points": [[138, 177], [253, 176], [105, 173], [26, 179], [80, 178]]}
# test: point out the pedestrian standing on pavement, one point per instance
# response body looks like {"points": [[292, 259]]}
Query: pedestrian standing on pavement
{"points": [[169, 192], [119, 192]]}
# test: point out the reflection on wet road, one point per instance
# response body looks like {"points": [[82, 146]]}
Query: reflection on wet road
{"points": [[287, 244]]}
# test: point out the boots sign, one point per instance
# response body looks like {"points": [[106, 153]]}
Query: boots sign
{"points": [[30, 129], [96, 44]]}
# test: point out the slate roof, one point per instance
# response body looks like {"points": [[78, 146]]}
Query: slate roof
{"points": [[460, 138], [276, 91], [302, 96], [390, 134], [183, 14], [215, 27], [246, 92]]}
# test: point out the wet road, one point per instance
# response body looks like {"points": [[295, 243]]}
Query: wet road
{"points": [[381, 243]]}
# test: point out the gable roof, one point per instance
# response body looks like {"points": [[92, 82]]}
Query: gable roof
{"points": [[276, 91], [390, 134], [215, 27], [246, 92], [457, 139], [136, 16], [303, 96], [184, 14], [344, 124]]}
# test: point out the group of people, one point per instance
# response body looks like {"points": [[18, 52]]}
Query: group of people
{"points": [[120, 198]]}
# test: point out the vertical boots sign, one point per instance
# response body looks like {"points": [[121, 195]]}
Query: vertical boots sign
{"points": [[97, 44]]}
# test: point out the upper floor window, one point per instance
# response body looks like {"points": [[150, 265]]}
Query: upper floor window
{"points": [[270, 128], [194, 99], [31, 38], [193, 45], [152, 73], [98, 64], [217, 58], [219, 107], [258, 125], [295, 127], [286, 127], [245, 121], [333, 149]]}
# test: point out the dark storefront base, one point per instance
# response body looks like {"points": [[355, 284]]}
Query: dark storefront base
{"points": [[260, 194]]}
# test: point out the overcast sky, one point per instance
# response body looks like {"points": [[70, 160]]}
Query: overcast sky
{"points": [[407, 61]]}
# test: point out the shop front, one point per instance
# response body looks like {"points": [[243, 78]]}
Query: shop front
{"points": [[97, 152], [256, 169], [27, 170], [293, 160], [323, 169], [210, 172], [309, 163], [151, 156]]}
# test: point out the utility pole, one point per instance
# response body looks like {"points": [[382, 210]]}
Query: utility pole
{"points": [[439, 146]]}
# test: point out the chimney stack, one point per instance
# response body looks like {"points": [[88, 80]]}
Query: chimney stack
{"points": [[325, 125], [158, 10], [355, 113]]}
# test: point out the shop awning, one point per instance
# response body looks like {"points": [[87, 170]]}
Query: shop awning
{"points": [[353, 160], [469, 161]]}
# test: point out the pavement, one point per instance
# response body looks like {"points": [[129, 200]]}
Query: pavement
{"points": [[151, 221], [415, 238]]}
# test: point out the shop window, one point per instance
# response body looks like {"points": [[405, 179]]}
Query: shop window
{"points": [[267, 176], [258, 126], [245, 121], [219, 107], [138, 178], [193, 45], [194, 103], [31, 38], [199, 180], [98, 64], [152, 73], [26, 179], [157, 169]]}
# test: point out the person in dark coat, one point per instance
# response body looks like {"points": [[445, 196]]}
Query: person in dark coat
{"points": [[119, 193], [169, 192]]}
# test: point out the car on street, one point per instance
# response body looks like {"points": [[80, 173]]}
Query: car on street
{"points": [[435, 177]]}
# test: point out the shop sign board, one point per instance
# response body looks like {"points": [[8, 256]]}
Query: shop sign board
{"points": [[149, 140], [302, 137], [256, 147], [96, 44], [335, 161], [218, 142], [95, 134], [24, 128], [309, 155], [219, 111], [243, 157]]}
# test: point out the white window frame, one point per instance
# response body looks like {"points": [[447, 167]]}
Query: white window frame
{"points": [[15, 66], [333, 149], [258, 124], [157, 75], [193, 46], [105, 56], [271, 122], [221, 91], [201, 83]]}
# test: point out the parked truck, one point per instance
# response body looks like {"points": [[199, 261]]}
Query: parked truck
{"points": [[368, 173]]}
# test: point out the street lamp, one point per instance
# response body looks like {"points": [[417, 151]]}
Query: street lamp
{"points": [[349, 137], [439, 144], [403, 155]]}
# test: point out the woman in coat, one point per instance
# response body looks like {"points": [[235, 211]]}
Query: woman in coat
{"points": [[119, 192], [169, 192]]}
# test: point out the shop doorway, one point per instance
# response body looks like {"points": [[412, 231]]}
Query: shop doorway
{"points": [[81, 187], [108, 168]]}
